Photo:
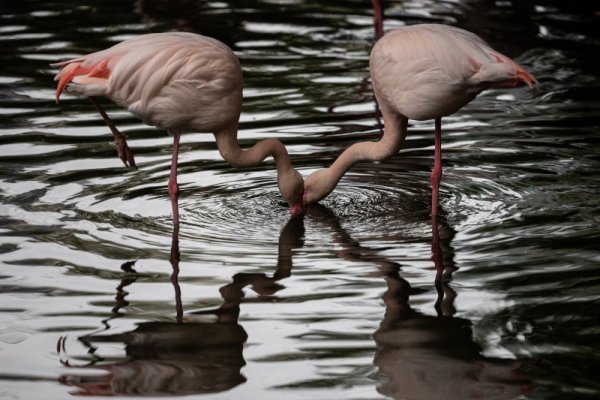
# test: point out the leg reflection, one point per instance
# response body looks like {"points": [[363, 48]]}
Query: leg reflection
{"points": [[182, 357], [175, 258], [266, 287], [427, 356], [434, 357], [442, 255]]}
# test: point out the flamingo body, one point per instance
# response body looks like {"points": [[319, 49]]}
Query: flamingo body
{"points": [[176, 81], [181, 82], [421, 72], [430, 71]]}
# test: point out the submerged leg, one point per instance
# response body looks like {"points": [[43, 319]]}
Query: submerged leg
{"points": [[441, 253], [125, 154], [436, 173], [173, 186], [436, 257], [175, 257]]}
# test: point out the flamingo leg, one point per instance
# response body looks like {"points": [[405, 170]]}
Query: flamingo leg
{"points": [[436, 257], [378, 17], [173, 186], [444, 304], [436, 173], [125, 154], [175, 257]]}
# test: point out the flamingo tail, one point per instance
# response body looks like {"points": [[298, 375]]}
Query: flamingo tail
{"points": [[83, 74]]}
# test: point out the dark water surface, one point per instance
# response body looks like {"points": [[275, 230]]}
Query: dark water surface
{"points": [[363, 298]]}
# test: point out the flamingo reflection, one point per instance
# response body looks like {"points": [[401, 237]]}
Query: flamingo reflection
{"points": [[435, 356], [178, 358], [422, 356], [428, 356]]}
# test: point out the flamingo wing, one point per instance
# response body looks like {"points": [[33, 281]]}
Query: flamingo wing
{"points": [[430, 70], [162, 78]]}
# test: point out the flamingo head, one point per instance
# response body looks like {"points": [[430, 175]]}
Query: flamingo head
{"points": [[317, 186], [297, 209], [291, 186]]}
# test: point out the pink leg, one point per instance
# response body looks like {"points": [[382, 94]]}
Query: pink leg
{"points": [[378, 17], [173, 186], [436, 173], [125, 154]]}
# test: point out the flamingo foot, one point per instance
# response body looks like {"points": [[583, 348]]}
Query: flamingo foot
{"points": [[124, 152]]}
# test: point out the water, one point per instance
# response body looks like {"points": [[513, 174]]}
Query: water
{"points": [[363, 298]]}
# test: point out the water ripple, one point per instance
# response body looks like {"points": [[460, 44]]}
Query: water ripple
{"points": [[344, 303]]}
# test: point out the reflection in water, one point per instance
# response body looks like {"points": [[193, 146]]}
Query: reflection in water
{"points": [[422, 356], [521, 192], [166, 358], [174, 258], [434, 357]]}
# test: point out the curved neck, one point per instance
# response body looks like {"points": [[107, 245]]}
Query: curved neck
{"points": [[230, 150], [389, 144]]}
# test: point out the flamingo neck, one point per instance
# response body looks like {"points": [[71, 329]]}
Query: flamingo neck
{"points": [[230, 150], [386, 147], [289, 181]]}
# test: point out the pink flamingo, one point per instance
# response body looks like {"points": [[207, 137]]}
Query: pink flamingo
{"points": [[181, 82], [421, 72]]}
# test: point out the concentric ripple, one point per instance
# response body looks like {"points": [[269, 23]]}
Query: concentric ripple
{"points": [[361, 298]]}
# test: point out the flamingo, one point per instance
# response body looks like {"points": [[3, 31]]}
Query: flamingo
{"points": [[421, 72], [180, 82]]}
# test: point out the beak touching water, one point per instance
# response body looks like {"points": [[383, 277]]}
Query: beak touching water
{"points": [[298, 208]]}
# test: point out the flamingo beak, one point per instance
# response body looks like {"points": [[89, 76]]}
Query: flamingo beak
{"points": [[298, 209]]}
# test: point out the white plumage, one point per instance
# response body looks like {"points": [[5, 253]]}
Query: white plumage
{"points": [[175, 80]]}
